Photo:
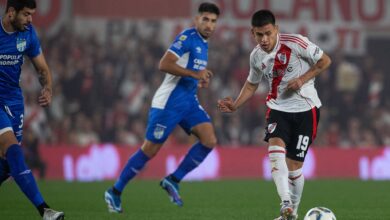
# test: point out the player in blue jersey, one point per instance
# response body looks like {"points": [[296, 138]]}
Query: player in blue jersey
{"points": [[176, 103], [18, 38]]}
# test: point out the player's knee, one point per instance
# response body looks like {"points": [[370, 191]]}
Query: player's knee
{"points": [[210, 142], [276, 152], [150, 149], [294, 164], [7, 139]]}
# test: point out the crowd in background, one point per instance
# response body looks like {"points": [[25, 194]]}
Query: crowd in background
{"points": [[102, 93]]}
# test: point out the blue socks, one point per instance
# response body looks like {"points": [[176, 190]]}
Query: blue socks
{"points": [[194, 157], [22, 175], [132, 168]]}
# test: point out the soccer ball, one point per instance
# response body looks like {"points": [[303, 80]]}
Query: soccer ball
{"points": [[319, 213]]}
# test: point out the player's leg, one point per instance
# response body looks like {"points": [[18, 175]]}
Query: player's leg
{"points": [[277, 134], [133, 166], [198, 152], [296, 182], [195, 156], [10, 137], [279, 171], [160, 125], [19, 170], [197, 122], [304, 133]]}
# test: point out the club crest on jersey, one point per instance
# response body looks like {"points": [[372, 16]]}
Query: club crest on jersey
{"points": [[271, 127], [158, 132], [198, 50], [282, 57], [21, 44]]}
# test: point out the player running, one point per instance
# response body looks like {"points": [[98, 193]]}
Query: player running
{"points": [[289, 62], [176, 103], [18, 38]]}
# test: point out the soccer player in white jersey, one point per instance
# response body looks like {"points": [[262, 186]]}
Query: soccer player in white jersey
{"points": [[289, 62], [176, 103]]}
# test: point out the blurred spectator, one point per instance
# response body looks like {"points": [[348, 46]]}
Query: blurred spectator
{"points": [[102, 91]]}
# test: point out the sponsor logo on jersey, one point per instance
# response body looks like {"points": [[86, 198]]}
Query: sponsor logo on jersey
{"points": [[271, 127], [200, 62], [278, 72], [282, 58], [158, 132], [290, 69], [178, 45], [21, 44]]}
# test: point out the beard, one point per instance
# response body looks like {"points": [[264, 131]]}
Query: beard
{"points": [[17, 25]]}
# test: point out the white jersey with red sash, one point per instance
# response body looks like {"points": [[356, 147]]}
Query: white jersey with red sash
{"points": [[292, 56]]}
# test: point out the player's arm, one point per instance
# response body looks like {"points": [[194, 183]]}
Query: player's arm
{"points": [[168, 64], [315, 56], [322, 64], [45, 79], [228, 105]]}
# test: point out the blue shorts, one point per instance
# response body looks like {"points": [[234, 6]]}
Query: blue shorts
{"points": [[162, 121], [11, 117]]}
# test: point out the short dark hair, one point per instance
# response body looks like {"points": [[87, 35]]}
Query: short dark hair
{"points": [[20, 4], [263, 17], [208, 7]]}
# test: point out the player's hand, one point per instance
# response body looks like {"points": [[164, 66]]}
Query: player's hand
{"points": [[226, 105], [204, 78], [205, 75], [45, 98], [295, 84]]}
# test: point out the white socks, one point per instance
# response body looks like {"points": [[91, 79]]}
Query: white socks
{"points": [[277, 157], [296, 183]]}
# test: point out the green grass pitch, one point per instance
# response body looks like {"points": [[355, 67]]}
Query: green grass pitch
{"points": [[213, 200]]}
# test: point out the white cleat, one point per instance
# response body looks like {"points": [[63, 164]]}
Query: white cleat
{"points": [[51, 214]]}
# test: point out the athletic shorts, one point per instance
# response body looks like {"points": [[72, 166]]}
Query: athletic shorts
{"points": [[161, 122], [11, 119], [297, 130]]}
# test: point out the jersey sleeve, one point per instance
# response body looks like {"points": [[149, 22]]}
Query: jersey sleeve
{"points": [[180, 45], [34, 48], [255, 73], [310, 51]]}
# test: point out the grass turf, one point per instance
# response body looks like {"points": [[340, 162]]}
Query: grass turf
{"points": [[214, 200]]}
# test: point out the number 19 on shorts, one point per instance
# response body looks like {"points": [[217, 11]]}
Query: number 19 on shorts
{"points": [[303, 142]]}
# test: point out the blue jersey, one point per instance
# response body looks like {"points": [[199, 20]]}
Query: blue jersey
{"points": [[12, 48], [192, 50], [175, 102]]}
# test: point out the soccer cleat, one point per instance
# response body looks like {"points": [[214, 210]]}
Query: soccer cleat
{"points": [[286, 211], [113, 201], [50, 214], [172, 189]]}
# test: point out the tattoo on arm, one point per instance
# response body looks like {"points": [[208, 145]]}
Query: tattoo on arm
{"points": [[42, 79]]}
